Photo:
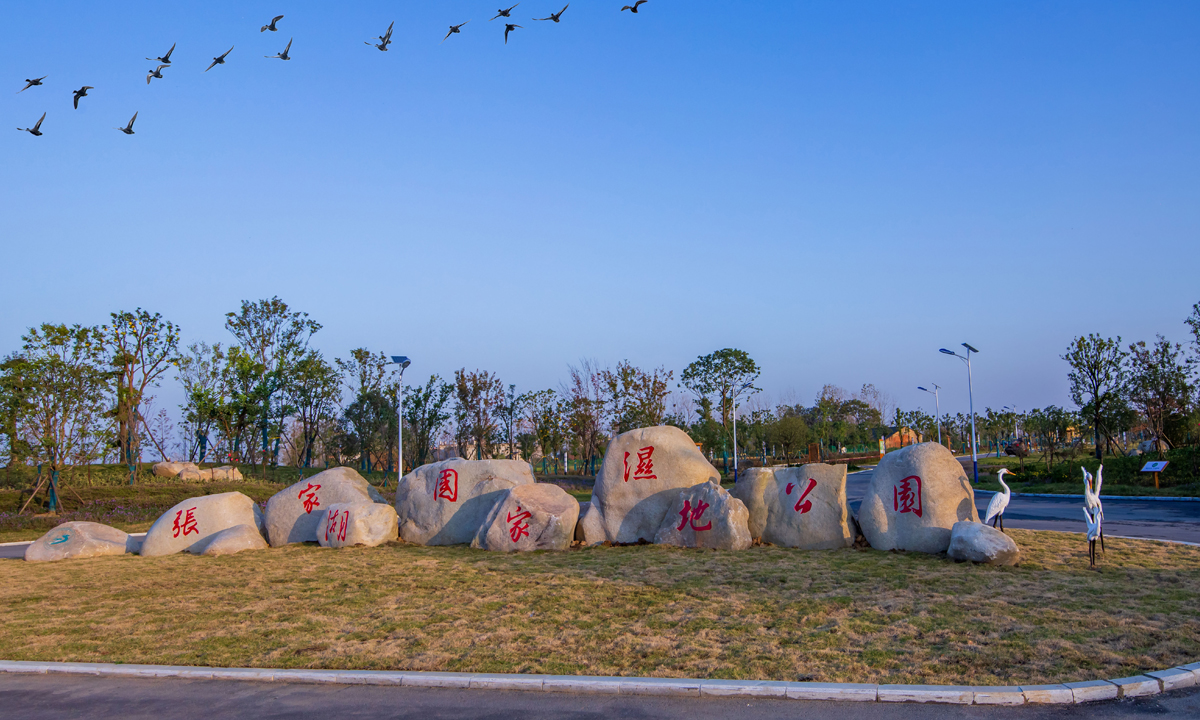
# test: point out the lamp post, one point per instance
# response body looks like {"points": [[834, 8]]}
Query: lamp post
{"points": [[937, 408], [735, 453], [403, 362], [971, 397]]}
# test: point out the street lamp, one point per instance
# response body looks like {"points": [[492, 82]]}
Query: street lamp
{"points": [[735, 464], [971, 396], [403, 362], [937, 408]]}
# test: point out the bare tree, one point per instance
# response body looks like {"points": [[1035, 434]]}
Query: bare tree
{"points": [[585, 407]]}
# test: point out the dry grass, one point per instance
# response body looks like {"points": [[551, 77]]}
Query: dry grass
{"points": [[767, 613]]}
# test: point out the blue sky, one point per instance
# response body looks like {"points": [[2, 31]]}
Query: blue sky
{"points": [[839, 188]]}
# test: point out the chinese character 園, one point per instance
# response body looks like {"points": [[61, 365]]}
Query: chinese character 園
{"points": [[447, 486], [188, 526], [309, 495], [692, 515], [645, 465], [519, 524], [906, 495]]}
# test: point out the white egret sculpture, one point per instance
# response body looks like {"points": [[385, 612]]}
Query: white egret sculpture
{"points": [[1094, 524], [1091, 497], [999, 503]]}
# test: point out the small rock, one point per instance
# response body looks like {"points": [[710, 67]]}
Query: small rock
{"points": [[80, 540], [705, 516], [293, 514], [982, 544], [362, 523], [530, 517], [231, 540], [193, 521], [173, 469], [445, 503]]}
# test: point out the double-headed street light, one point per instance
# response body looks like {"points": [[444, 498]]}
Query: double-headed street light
{"points": [[403, 362], [971, 396], [937, 408]]}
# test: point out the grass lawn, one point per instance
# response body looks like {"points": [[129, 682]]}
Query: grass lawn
{"points": [[766, 613]]}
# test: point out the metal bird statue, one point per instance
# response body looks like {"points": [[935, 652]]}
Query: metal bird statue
{"points": [[999, 503], [1094, 526]]}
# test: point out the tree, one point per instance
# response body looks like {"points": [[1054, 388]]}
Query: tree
{"points": [[721, 378], [546, 417], [585, 408], [14, 406], [790, 432], [634, 398], [425, 412], [365, 371], [316, 391], [479, 396], [143, 348], [1160, 386], [1050, 425], [369, 415], [1099, 374], [199, 372]]}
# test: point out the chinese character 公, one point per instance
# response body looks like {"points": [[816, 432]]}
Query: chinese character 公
{"points": [[802, 505]]}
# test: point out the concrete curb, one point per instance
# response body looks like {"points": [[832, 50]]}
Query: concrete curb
{"points": [[27, 542], [1151, 683]]}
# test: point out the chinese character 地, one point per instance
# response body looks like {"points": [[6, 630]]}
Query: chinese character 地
{"points": [[692, 515], [802, 505], [519, 524], [188, 526], [645, 465], [906, 496], [447, 486], [309, 495]]}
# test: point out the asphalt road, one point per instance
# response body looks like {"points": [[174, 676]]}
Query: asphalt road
{"points": [[54, 697], [1153, 519]]}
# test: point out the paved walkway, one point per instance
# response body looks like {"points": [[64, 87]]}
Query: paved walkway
{"points": [[54, 697]]}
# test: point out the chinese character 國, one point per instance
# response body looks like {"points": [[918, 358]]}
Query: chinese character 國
{"points": [[802, 505], [447, 486], [335, 524], [906, 496], [692, 515], [309, 495], [519, 524], [645, 465], [188, 526]]}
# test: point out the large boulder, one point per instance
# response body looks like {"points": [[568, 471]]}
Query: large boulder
{"points": [[982, 544], [530, 517], [231, 540], [293, 514], [705, 516], [80, 540], [640, 479], [801, 507], [169, 469], [915, 497], [361, 523], [445, 503], [193, 521]]}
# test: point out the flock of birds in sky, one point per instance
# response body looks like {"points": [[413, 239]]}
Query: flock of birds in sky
{"points": [[164, 61]]}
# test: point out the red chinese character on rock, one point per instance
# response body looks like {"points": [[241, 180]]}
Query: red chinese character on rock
{"points": [[907, 495], [309, 494], [448, 485], [518, 524], [802, 505], [188, 526], [645, 465], [335, 524], [692, 514]]}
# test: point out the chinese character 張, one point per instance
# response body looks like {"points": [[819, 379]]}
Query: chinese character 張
{"points": [[447, 486], [645, 465], [519, 524], [802, 505], [693, 514], [309, 494], [906, 496], [332, 522], [188, 526]]}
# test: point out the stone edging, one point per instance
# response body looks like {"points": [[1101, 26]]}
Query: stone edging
{"points": [[1150, 683]]}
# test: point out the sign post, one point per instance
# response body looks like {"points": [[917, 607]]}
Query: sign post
{"points": [[1155, 467]]}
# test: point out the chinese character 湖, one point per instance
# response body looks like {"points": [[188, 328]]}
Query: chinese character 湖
{"points": [[332, 522]]}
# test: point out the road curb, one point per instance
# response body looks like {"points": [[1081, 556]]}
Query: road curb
{"points": [[1151, 683]]}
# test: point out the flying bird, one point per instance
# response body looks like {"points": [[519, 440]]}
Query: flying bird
{"points": [[557, 15], [999, 503], [31, 83], [156, 73], [82, 92], [384, 39], [283, 55], [271, 25], [454, 29], [218, 60], [633, 8], [165, 59], [128, 129], [36, 129], [1094, 525], [504, 13], [509, 27]]}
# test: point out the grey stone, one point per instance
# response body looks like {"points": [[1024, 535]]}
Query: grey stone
{"points": [[195, 520], [705, 516], [79, 540], [445, 503], [1173, 679], [1093, 691], [854, 692], [802, 507], [998, 696], [293, 514], [231, 540], [1137, 686], [1048, 694], [953, 694], [982, 544], [530, 517], [359, 523]]}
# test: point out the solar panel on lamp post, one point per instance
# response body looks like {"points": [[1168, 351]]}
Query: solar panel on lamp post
{"points": [[971, 396], [403, 362]]}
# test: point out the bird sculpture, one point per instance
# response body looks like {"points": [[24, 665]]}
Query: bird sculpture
{"points": [[219, 60], [156, 73], [128, 129], [283, 55], [509, 27], [557, 15], [454, 29], [384, 39], [37, 128], [32, 83], [999, 503], [271, 25], [1094, 527], [165, 59], [633, 8], [1091, 497], [82, 92], [504, 13]]}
